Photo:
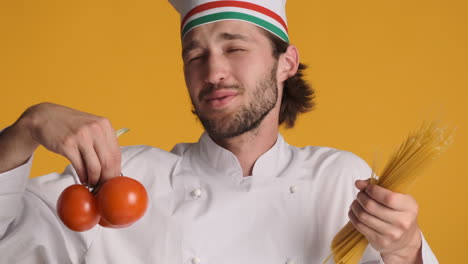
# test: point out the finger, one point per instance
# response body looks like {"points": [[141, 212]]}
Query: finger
{"points": [[92, 164], [368, 232], [74, 156], [113, 161], [361, 184], [378, 241], [108, 152], [377, 209], [371, 221], [395, 201]]}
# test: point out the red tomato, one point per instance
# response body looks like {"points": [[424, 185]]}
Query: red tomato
{"points": [[77, 208], [104, 223], [121, 201]]}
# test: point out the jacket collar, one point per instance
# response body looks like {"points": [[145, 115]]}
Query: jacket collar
{"points": [[270, 164]]}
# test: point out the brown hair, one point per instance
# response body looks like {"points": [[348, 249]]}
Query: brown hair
{"points": [[298, 95]]}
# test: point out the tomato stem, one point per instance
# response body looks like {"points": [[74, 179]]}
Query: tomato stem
{"points": [[121, 131]]}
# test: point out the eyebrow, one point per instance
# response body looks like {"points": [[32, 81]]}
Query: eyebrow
{"points": [[229, 36], [193, 44]]}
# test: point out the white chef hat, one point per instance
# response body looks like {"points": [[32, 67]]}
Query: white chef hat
{"points": [[267, 14]]}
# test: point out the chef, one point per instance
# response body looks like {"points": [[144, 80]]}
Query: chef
{"points": [[241, 194]]}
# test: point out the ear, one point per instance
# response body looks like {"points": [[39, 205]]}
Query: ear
{"points": [[288, 63]]}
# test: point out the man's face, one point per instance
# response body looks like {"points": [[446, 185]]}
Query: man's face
{"points": [[230, 73]]}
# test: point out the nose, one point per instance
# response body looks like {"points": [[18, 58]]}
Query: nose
{"points": [[216, 69]]}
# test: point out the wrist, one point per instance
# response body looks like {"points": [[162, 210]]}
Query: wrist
{"points": [[23, 129], [16, 144], [411, 253]]}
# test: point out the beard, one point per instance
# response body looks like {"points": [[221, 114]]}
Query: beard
{"points": [[248, 116]]}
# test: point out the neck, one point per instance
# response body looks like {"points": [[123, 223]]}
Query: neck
{"points": [[249, 146]]}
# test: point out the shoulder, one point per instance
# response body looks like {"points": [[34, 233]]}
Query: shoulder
{"points": [[147, 163], [137, 152], [332, 162], [181, 148]]}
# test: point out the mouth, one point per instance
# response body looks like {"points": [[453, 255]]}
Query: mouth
{"points": [[220, 98]]}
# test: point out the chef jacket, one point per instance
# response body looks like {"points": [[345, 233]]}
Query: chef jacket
{"points": [[202, 210]]}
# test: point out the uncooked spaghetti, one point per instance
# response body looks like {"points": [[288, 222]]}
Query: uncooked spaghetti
{"points": [[399, 174]]}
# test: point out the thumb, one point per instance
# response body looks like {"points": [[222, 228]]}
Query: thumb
{"points": [[361, 184]]}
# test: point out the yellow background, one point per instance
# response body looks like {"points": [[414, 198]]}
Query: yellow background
{"points": [[379, 68]]}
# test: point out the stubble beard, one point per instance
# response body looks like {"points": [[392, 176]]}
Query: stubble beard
{"points": [[248, 117]]}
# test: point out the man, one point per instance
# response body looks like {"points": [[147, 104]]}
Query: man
{"points": [[239, 195]]}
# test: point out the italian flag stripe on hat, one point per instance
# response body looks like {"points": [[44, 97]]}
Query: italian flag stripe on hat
{"points": [[267, 14]]}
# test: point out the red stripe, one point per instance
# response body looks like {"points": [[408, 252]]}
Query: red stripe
{"points": [[240, 4]]}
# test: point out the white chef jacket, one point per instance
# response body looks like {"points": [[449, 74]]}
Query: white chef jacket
{"points": [[201, 209]]}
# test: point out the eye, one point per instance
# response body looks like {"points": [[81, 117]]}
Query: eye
{"points": [[235, 50], [194, 58]]}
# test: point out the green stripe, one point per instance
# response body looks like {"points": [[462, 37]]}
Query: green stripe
{"points": [[235, 15]]}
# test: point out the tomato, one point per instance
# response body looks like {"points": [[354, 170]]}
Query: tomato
{"points": [[121, 201], [104, 223], [77, 208]]}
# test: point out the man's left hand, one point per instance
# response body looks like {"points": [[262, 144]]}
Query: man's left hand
{"points": [[389, 222]]}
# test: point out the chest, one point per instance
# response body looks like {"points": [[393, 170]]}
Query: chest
{"points": [[213, 224]]}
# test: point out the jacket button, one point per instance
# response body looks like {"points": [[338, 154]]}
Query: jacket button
{"points": [[293, 189], [196, 260], [196, 193]]}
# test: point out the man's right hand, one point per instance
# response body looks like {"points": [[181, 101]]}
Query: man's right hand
{"points": [[88, 141]]}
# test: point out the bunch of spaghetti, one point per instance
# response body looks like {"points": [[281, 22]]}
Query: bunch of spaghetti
{"points": [[399, 174]]}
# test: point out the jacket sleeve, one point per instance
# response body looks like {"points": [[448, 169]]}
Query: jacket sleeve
{"points": [[427, 255], [12, 186], [30, 230], [371, 256]]}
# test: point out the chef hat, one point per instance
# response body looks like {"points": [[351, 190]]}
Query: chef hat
{"points": [[267, 14]]}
